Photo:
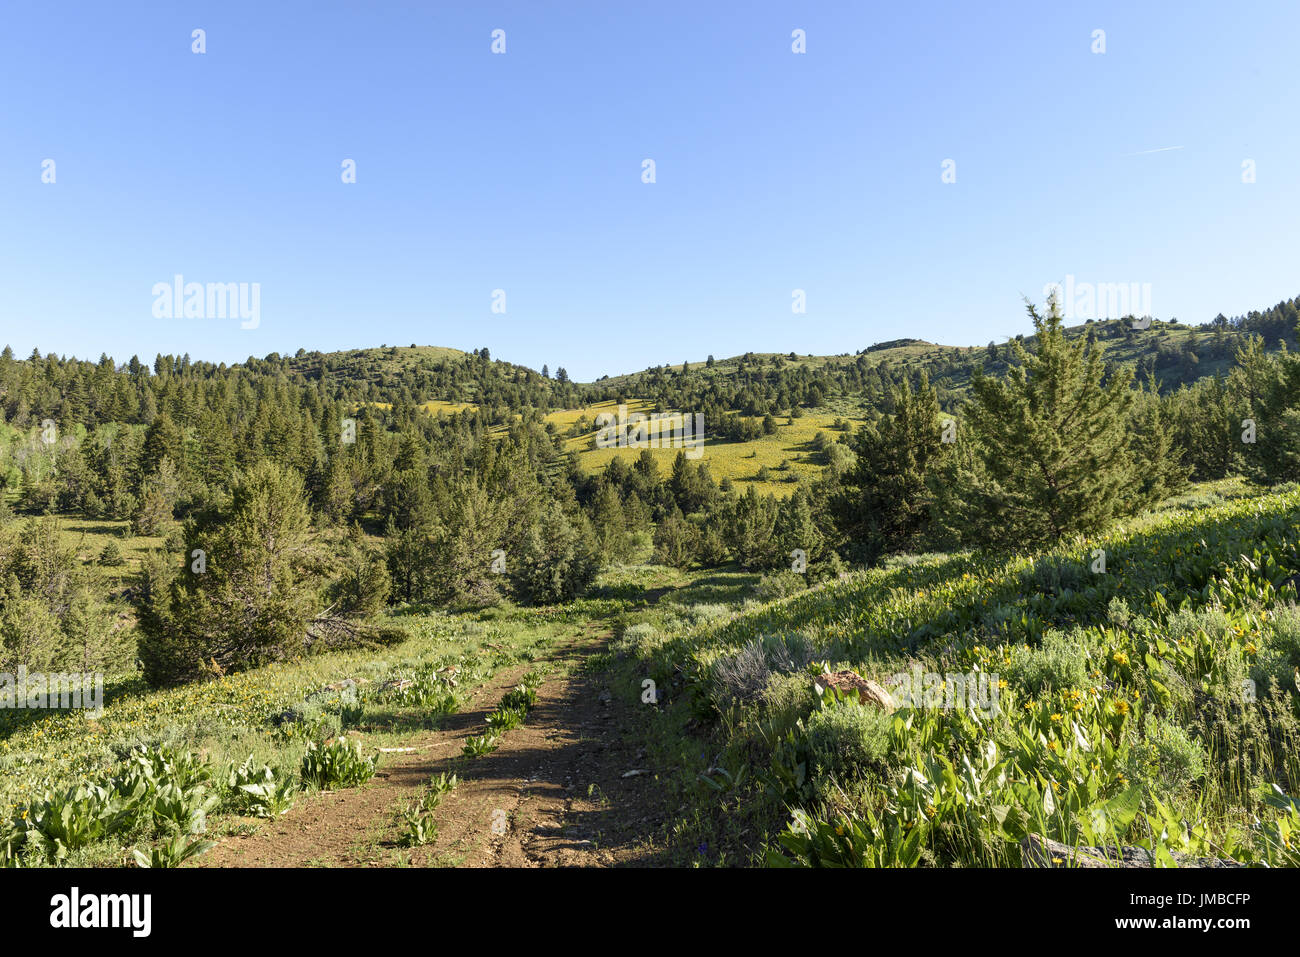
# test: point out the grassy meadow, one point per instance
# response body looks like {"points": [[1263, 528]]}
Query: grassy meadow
{"points": [[787, 454]]}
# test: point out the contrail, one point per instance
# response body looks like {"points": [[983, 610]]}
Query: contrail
{"points": [[1163, 149]]}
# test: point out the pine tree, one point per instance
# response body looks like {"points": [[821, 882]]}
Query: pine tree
{"points": [[1052, 442]]}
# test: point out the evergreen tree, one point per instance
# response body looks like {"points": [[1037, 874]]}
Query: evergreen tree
{"points": [[1052, 444], [248, 598], [884, 503]]}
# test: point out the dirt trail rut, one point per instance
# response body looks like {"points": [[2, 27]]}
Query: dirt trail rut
{"points": [[552, 794]]}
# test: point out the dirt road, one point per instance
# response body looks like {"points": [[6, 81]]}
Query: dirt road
{"points": [[552, 794]]}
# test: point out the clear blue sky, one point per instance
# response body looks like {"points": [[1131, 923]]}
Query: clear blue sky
{"points": [[522, 171]]}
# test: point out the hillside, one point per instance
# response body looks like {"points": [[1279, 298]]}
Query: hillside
{"points": [[1157, 690]]}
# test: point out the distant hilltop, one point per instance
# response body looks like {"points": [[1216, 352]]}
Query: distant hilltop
{"points": [[897, 344]]}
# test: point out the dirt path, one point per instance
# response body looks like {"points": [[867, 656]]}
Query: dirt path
{"points": [[552, 794]]}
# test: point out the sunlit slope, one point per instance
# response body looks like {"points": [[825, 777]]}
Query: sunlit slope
{"points": [[787, 454]]}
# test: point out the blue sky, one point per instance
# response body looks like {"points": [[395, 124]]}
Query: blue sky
{"points": [[775, 171]]}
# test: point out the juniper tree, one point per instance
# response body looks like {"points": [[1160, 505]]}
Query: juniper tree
{"points": [[610, 523], [1207, 420], [1270, 386], [884, 502], [251, 594], [1161, 472], [675, 540], [558, 558], [795, 528]]}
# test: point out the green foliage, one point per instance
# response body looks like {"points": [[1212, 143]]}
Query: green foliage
{"points": [[1058, 663], [440, 784], [336, 764], [258, 791], [480, 744], [183, 809], [557, 560], [1124, 714], [362, 585], [1280, 836], [778, 585], [419, 826], [1166, 760], [67, 820], [110, 556], [505, 719], [166, 791], [884, 505], [53, 615], [173, 852], [848, 842], [847, 740]]}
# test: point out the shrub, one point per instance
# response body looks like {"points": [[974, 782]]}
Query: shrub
{"points": [[849, 740], [1167, 760], [706, 612], [1059, 662], [745, 673], [634, 637], [779, 585]]}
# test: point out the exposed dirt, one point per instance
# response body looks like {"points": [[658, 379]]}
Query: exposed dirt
{"points": [[552, 794]]}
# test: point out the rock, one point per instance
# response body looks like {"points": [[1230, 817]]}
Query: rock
{"points": [[1037, 851], [635, 772], [868, 691]]}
